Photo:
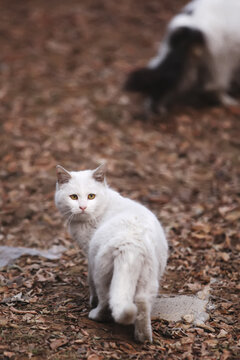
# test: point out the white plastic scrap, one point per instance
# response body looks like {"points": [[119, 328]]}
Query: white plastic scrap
{"points": [[8, 254]]}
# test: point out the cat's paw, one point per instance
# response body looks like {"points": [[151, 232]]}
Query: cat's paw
{"points": [[95, 314], [143, 335], [125, 315], [100, 314]]}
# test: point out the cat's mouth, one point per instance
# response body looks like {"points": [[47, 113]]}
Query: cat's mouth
{"points": [[82, 214]]}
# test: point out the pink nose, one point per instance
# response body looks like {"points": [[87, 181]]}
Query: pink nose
{"points": [[82, 208]]}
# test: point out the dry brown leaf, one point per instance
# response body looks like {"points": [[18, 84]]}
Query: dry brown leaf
{"points": [[63, 104], [194, 287], [9, 354], [222, 334], [56, 343], [94, 357], [224, 256], [17, 311], [3, 321], [233, 215]]}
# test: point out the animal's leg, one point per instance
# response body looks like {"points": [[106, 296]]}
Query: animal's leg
{"points": [[143, 328]]}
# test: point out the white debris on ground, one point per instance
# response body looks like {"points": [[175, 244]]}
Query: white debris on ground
{"points": [[8, 254], [191, 309]]}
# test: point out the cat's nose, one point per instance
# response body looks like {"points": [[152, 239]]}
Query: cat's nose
{"points": [[82, 208]]}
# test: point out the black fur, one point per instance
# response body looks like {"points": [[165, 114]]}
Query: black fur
{"points": [[185, 37], [158, 82]]}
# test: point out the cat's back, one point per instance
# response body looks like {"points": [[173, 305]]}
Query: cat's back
{"points": [[218, 20], [128, 220], [219, 15], [211, 16], [125, 208]]}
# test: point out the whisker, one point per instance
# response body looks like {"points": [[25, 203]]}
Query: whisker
{"points": [[94, 219], [67, 212], [69, 220]]}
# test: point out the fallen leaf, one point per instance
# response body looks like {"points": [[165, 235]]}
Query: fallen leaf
{"points": [[3, 321], [205, 326], [9, 354], [224, 256], [16, 311], [94, 357], [222, 334], [56, 343], [194, 287], [233, 215]]}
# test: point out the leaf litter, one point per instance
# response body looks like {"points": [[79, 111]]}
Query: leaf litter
{"points": [[61, 71]]}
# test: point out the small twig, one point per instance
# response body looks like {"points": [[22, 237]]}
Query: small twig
{"points": [[16, 311]]}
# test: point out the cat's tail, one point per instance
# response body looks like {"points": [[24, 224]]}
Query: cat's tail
{"points": [[126, 272]]}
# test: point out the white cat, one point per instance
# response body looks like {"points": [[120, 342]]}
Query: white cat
{"points": [[201, 47], [126, 246]]}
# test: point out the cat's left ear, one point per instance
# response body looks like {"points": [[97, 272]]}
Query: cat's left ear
{"points": [[63, 176], [99, 173]]}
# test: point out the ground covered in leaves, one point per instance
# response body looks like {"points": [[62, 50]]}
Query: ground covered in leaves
{"points": [[62, 67]]}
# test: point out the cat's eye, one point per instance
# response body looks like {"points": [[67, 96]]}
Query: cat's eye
{"points": [[73, 197], [91, 196]]}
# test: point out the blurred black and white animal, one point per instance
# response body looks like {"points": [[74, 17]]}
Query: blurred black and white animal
{"points": [[201, 49]]}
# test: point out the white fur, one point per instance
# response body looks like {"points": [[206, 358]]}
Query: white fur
{"points": [[126, 247], [219, 21]]}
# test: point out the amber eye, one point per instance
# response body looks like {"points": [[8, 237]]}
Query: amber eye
{"points": [[91, 196], [73, 197]]}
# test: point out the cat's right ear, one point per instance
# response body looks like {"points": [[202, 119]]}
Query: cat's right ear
{"points": [[63, 176]]}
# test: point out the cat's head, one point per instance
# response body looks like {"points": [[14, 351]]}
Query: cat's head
{"points": [[81, 195]]}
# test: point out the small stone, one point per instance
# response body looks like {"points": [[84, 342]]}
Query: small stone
{"points": [[188, 318]]}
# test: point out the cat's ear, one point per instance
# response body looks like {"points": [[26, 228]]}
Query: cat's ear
{"points": [[99, 173], [63, 176]]}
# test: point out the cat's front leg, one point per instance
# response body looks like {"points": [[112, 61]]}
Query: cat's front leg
{"points": [[101, 311], [93, 300], [142, 326], [93, 296]]}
